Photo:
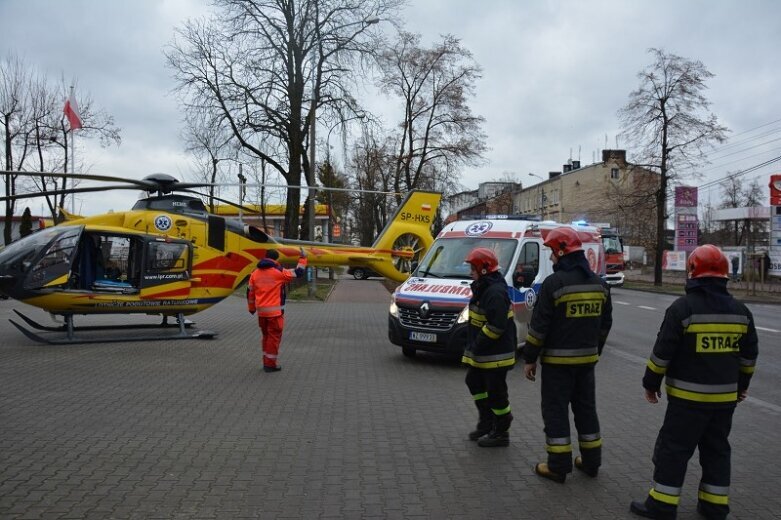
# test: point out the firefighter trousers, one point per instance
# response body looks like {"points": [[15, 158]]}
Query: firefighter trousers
{"points": [[489, 384], [564, 386], [271, 337], [684, 429]]}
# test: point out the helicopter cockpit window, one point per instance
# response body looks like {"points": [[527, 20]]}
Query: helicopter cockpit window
{"points": [[56, 260], [165, 256]]}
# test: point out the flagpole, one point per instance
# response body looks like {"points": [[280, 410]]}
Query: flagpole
{"points": [[73, 158]]}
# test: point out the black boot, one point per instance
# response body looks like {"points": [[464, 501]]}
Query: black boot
{"points": [[544, 471], [498, 437], [591, 472], [485, 421], [641, 509]]}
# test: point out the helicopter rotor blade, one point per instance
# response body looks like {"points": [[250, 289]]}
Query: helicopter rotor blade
{"points": [[140, 184], [165, 183], [67, 191]]}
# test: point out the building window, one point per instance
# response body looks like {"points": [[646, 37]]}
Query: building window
{"points": [[614, 173]]}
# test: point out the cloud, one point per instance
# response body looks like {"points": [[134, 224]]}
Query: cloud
{"points": [[554, 73]]}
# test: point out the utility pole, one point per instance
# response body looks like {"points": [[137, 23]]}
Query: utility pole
{"points": [[542, 194]]}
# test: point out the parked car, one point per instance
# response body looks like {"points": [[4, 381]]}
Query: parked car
{"points": [[362, 273]]}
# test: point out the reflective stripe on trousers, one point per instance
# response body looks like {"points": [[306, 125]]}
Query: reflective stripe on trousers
{"points": [[684, 429]]}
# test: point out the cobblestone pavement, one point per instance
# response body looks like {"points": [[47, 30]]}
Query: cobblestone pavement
{"points": [[348, 429]]}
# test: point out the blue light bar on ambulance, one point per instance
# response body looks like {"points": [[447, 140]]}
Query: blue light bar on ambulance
{"points": [[579, 223]]}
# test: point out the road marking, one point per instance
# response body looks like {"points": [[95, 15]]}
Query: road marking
{"points": [[762, 404], [766, 329], [638, 359], [647, 308], [621, 303]]}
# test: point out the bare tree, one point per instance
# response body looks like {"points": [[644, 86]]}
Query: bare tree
{"points": [[371, 165], [737, 195], [338, 201], [50, 136], [438, 133], [211, 144], [35, 134], [631, 204], [14, 114], [267, 67], [667, 118]]}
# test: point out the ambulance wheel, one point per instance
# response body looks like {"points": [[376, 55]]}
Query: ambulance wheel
{"points": [[408, 352]]}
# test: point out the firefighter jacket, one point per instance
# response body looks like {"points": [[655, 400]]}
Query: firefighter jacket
{"points": [[491, 335], [706, 347], [572, 317], [266, 287]]}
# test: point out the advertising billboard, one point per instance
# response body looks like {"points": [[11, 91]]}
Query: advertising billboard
{"points": [[686, 222]]}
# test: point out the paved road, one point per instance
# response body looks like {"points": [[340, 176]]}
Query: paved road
{"points": [[348, 429]]}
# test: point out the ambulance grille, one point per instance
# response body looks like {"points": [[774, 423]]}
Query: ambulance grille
{"points": [[436, 320]]}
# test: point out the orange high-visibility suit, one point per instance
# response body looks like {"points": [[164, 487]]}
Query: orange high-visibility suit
{"points": [[266, 296]]}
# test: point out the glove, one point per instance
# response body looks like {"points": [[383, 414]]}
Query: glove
{"points": [[302, 253]]}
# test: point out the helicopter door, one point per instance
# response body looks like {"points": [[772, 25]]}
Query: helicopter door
{"points": [[167, 262], [55, 267]]}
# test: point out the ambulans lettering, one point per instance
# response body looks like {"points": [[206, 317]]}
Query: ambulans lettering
{"points": [[718, 343], [415, 217], [441, 289], [584, 309]]}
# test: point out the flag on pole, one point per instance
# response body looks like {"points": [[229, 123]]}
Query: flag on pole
{"points": [[71, 111]]}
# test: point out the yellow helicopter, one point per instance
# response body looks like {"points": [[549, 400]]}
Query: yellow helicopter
{"points": [[169, 256]]}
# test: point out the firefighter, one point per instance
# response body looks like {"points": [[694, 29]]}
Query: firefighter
{"points": [[266, 296], [706, 349], [490, 349], [570, 323]]}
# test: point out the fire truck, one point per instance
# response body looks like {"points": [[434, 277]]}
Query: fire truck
{"points": [[430, 311], [614, 255]]}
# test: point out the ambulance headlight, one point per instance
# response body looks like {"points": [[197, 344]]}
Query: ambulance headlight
{"points": [[464, 316], [394, 309]]}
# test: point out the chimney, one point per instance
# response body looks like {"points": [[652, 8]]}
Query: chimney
{"points": [[616, 155]]}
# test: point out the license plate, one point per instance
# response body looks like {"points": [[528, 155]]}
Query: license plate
{"points": [[423, 336]]}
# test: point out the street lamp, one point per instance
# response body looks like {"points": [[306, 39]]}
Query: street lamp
{"points": [[542, 195], [331, 173], [242, 193], [312, 124]]}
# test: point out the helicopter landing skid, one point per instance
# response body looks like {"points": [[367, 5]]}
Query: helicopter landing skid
{"points": [[71, 339], [64, 327]]}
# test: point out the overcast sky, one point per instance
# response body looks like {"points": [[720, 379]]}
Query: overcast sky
{"points": [[554, 75]]}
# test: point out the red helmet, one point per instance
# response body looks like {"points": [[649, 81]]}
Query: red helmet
{"points": [[483, 260], [563, 241], [708, 260]]}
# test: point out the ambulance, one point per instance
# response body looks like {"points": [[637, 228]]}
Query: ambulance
{"points": [[430, 311]]}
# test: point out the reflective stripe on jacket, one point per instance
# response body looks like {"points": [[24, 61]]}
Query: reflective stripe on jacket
{"points": [[491, 335], [570, 321], [706, 348]]}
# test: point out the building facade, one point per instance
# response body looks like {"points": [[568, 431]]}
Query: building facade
{"points": [[611, 191]]}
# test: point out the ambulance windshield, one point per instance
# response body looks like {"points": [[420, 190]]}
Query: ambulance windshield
{"points": [[445, 258]]}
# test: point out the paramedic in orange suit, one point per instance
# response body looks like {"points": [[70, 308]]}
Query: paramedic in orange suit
{"points": [[266, 296]]}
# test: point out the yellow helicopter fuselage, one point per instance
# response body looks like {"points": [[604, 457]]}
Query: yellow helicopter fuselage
{"points": [[168, 256]]}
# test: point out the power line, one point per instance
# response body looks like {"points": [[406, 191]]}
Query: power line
{"points": [[729, 145], [740, 173], [749, 148]]}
